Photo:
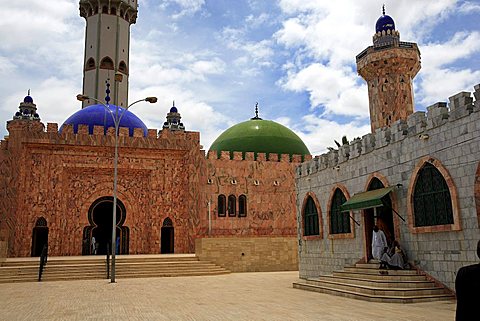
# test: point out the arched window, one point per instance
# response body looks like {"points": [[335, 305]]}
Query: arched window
{"points": [[122, 67], [41, 222], [113, 11], [242, 206], [310, 216], [105, 9], [339, 221], [222, 205], [232, 205], [90, 64], [121, 13], [127, 17], [432, 202], [106, 63]]}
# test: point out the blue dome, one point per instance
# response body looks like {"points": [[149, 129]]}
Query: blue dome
{"points": [[384, 23], [174, 109], [97, 115], [28, 99]]}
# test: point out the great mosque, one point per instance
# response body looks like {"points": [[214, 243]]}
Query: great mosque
{"points": [[258, 182]]}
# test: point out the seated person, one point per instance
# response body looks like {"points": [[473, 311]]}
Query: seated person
{"points": [[394, 258]]}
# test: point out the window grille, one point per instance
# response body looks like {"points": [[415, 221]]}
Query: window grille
{"points": [[310, 214], [432, 202], [339, 221]]}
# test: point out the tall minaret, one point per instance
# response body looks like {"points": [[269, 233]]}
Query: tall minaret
{"points": [[107, 46], [389, 67]]}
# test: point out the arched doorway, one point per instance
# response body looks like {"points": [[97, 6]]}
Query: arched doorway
{"points": [[167, 238], [39, 236], [97, 237], [381, 216]]}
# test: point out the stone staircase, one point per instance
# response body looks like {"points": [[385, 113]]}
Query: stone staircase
{"points": [[94, 267], [367, 282]]}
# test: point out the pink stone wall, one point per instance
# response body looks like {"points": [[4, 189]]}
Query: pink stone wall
{"points": [[59, 176]]}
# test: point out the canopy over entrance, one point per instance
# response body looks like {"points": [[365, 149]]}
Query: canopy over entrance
{"points": [[365, 200]]}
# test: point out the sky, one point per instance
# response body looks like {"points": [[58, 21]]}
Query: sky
{"points": [[217, 58]]}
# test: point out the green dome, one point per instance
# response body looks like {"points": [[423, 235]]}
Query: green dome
{"points": [[260, 136]]}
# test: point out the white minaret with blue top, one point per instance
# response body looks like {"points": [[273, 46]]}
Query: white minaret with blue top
{"points": [[107, 46]]}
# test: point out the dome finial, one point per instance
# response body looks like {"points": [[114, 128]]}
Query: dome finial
{"points": [[256, 110], [107, 98], [28, 94], [383, 9], [173, 103]]}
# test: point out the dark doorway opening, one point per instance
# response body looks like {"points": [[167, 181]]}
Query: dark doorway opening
{"points": [[39, 236], [167, 239], [381, 216], [97, 237]]}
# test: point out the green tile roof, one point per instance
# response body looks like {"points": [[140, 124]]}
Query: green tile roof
{"points": [[260, 136]]}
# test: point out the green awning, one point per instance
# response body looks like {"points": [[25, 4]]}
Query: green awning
{"points": [[365, 200]]}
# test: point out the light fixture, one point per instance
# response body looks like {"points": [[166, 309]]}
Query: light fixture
{"points": [[424, 136]]}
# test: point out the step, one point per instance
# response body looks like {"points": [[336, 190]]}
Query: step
{"points": [[370, 297], [371, 276], [377, 271], [380, 283], [377, 290]]}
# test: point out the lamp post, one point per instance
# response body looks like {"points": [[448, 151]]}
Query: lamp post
{"points": [[116, 120]]}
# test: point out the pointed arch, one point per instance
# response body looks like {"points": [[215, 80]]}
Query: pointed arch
{"points": [[39, 236], [90, 65], [122, 67], [432, 199], [311, 222], [107, 63], [343, 227]]}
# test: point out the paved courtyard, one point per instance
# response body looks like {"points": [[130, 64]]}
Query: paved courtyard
{"points": [[237, 296]]}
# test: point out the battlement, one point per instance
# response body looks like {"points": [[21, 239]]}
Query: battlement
{"points": [[262, 157], [419, 126], [155, 139]]}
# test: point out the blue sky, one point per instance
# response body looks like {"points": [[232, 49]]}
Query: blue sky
{"points": [[217, 58]]}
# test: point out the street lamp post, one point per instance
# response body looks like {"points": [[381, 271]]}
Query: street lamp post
{"points": [[116, 120]]}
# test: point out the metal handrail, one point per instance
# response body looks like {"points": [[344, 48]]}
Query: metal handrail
{"points": [[43, 261], [108, 261]]}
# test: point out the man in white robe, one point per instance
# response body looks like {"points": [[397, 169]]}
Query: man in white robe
{"points": [[379, 243]]}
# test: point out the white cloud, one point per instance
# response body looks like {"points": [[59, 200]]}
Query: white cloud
{"points": [[319, 133], [332, 88], [469, 7], [186, 7]]}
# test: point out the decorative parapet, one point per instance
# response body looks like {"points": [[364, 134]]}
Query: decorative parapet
{"points": [[260, 157], [417, 124], [155, 139]]}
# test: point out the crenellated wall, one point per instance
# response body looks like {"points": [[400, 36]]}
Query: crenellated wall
{"points": [[269, 186], [59, 175], [447, 137]]}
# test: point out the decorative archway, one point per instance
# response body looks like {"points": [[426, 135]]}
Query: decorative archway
{"points": [[167, 239], [39, 236], [97, 237]]}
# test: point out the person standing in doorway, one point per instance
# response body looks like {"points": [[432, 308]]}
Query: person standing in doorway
{"points": [[94, 246], [379, 243], [117, 245], [467, 288]]}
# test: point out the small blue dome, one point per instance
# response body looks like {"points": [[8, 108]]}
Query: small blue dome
{"points": [[174, 109], [384, 23], [28, 99], [97, 115]]}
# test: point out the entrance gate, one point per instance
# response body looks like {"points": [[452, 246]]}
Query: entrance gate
{"points": [[98, 235], [167, 237], [39, 236]]}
